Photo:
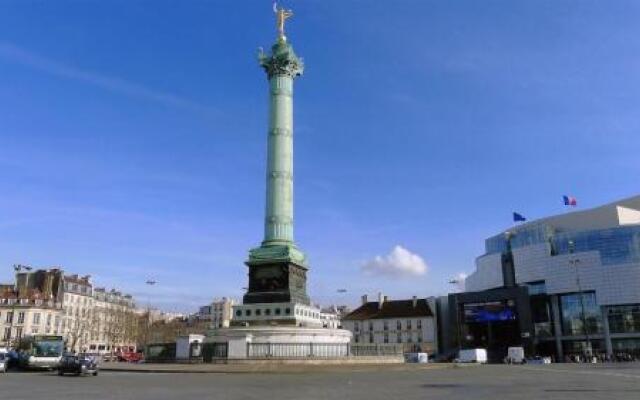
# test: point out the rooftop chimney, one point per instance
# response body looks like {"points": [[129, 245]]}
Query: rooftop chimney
{"points": [[381, 300], [364, 299], [415, 301]]}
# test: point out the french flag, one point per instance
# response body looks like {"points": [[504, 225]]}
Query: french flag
{"points": [[570, 201]]}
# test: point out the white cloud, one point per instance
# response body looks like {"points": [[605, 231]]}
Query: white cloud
{"points": [[400, 262]]}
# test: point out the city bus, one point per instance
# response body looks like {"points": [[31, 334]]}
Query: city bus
{"points": [[40, 351]]}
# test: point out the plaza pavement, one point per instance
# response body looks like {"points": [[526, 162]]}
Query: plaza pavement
{"points": [[268, 367], [494, 382]]}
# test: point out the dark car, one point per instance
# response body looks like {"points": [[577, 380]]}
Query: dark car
{"points": [[78, 365]]}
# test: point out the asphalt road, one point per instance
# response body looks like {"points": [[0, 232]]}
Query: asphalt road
{"points": [[495, 382]]}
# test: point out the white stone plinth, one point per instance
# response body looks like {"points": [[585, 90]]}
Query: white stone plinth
{"points": [[281, 341]]}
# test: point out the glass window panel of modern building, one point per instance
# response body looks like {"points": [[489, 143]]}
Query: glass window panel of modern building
{"points": [[626, 349], [624, 319], [615, 245], [573, 319]]}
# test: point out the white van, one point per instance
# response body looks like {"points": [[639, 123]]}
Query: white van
{"points": [[472, 356], [515, 355]]}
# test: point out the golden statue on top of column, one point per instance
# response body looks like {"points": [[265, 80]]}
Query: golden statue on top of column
{"points": [[281, 17]]}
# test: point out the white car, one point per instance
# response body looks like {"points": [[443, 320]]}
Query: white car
{"points": [[3, 362]]}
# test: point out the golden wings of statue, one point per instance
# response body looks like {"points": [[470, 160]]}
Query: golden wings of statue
{"points": [[281, 17]]}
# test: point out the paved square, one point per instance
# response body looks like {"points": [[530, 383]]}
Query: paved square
{"points": [[562, 381]]}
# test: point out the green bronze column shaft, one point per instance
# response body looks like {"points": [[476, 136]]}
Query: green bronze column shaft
{"points": [[278, 224], [282, 67]]}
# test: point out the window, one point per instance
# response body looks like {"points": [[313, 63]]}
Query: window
{"points": [[7, 333], [616, 245], [267, 311], [48, 319], [399, 337], [408, 324], [356, 326], [386, 338], [371, 338], [287, 311], [238, 313], [356, 338], [419, 338], [398, 325], [247, 313], [258, 312], [9, 317], [538, 287], [624, 319], [19, 332], [572, 317], [370, 326], [419, 323], [277, 311], [36, 318], [385, 326], [628, 346]]}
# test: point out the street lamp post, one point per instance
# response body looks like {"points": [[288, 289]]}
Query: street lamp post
{"points": [[149, 283], [575, 262]]}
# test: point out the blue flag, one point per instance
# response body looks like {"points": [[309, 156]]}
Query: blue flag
{"points": [[518, 217]]}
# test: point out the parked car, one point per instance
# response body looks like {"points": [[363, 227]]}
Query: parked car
{"points": [[539, 360], [4, 362], [131, 357], [80, 364]]}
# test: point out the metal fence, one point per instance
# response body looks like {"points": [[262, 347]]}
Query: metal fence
{"points": [[370, 350], [214, 351], [319, 350], [160, 352], [297, 350]]}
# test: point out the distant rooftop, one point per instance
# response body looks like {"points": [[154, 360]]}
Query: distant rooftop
{"points": [[391, 309]]}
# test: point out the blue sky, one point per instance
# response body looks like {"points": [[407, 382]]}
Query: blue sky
{"points": [[133, 135]]}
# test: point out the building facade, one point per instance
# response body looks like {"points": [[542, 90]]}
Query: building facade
{"points": [[48, 302], [582, 273], [31, 305], [331, 317], [28, 315], [80, 318], [219, 313], [410, 323], [115, 324]]}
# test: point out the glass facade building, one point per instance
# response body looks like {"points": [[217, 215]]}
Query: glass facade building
{"points": [[582, 272]]}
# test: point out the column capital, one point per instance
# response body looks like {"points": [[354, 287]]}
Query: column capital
{"points": [[282, 61]]}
